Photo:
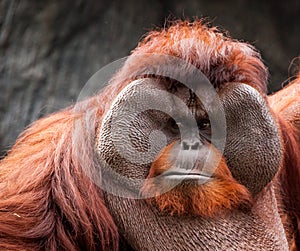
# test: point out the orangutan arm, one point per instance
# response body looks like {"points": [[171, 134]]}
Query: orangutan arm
{"points": [[286, 104]]}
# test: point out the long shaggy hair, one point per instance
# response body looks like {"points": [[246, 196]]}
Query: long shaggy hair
{"points": [[286, 105], [46, 199]]}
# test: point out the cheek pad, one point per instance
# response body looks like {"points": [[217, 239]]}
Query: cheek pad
{"points": [[123, 141], [130, 135], [253, 147]]}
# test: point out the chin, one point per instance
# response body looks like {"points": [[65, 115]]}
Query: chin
{"points": [[178, 191]]}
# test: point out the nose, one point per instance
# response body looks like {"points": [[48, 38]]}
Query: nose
{"points": [[193, 144]]}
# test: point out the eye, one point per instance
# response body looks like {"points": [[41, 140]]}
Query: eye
{"points": [[173, 126], [204, 124]]}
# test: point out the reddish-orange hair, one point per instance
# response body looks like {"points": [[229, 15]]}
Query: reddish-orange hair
{"points": [[286, 105], [46, 200], [219, 57]]}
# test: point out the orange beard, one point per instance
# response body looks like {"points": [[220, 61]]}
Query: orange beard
{"points": [[219, 194]]}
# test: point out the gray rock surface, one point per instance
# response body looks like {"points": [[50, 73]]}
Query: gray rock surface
{"points": [[49, 49]]}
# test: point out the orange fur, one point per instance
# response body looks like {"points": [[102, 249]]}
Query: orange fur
{"points": [[46, 200], [286, 105], [220, 194], [219, 57]]}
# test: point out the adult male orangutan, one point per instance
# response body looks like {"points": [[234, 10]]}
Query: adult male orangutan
{"points": [[194, 171]]}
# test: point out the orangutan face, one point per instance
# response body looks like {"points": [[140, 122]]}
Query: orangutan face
{"points": [[188, 174]]}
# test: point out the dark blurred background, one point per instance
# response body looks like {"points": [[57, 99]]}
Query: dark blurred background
{"points": [[49, 49]]}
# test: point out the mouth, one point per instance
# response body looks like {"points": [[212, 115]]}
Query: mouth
{"points": [[185, 174]]}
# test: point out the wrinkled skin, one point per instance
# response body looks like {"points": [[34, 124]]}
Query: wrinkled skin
{"points": [[253, 154]]}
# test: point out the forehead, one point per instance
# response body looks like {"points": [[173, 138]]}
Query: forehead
{"points": [[169, 96], [180, 90]]}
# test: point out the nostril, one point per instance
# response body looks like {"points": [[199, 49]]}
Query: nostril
{"points": [[195, 146], [190, 145], [185, 145]]}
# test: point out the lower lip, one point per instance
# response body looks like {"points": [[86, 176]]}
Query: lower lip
{"points": [[187, 177]]}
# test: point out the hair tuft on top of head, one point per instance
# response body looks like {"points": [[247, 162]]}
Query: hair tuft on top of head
{"points": [[221, 58]]}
